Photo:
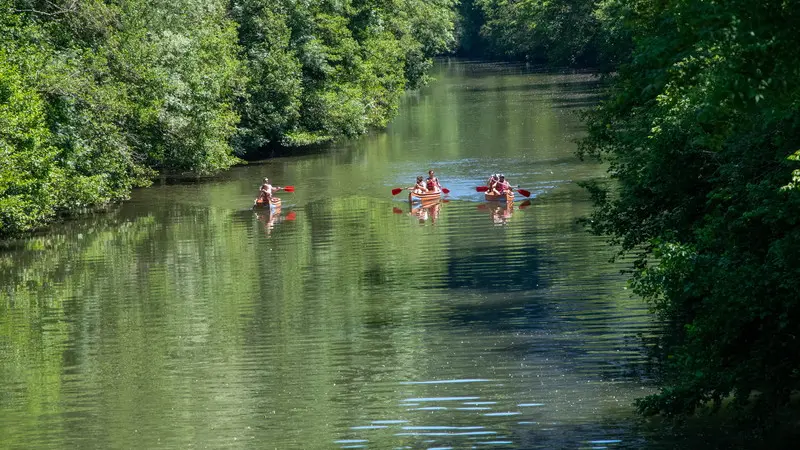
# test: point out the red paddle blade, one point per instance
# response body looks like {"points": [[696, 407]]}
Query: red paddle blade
{"points": [[396, 191], [397, 210], [445, 190], [525, 204], [482, 188], [291, 216], [524, 192], [288, 188]]}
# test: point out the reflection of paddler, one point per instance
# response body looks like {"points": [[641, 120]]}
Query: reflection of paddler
{"points": [[270, 219], [501, 214], [427, 210]]}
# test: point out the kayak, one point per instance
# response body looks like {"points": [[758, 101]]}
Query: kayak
{"points": [[274, 203], [426, 197], [507, 197]]}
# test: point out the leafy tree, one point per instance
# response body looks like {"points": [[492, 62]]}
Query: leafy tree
{"points": [[558, 32], [701, 132], [98, 96], [321, 70]]}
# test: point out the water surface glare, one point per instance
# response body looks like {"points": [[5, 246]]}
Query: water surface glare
{"points": [[348, 318]]}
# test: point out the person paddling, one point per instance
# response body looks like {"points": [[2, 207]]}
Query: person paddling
{"points": [[265, 192], [492, 184], [432, 183], [502, 185], [420, 187]]}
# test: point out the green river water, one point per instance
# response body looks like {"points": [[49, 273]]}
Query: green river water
{"points": [[348, 319]]}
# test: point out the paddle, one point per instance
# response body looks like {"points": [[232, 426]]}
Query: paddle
{"points": [[396, 191], [525, 204], [397, 210], [524, 192], [285, 188], [291, 216]]}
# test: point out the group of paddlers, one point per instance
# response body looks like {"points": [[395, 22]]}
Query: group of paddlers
{"points": [[423, 186], [497, 184]]}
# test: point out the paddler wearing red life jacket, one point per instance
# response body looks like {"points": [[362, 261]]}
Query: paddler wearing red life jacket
{"points": [[432, 183], [502, 185]]}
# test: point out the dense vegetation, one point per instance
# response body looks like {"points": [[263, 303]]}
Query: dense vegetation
{"points": [[556, 33], [96, 97], [319, 70], [701, 131]]}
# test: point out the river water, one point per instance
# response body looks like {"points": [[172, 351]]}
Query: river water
{"points": [[347, 319]]}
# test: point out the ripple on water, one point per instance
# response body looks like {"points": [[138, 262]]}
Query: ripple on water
{"points": [[188, 317]]}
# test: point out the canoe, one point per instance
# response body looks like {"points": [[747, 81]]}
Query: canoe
{"points": [[507, 197], [274, 203], [426, 197]]}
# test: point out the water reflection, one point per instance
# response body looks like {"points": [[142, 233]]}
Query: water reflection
{"points": [[173, 322], [426, 212], [269, 219], [500, 212]]}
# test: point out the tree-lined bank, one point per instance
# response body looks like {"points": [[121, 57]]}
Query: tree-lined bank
{"points": [[700, 129], [97, 97]]}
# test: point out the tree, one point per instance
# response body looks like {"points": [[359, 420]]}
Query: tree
{"points": [[321, 70], [98, 96], [701, 132], [559, 32]]}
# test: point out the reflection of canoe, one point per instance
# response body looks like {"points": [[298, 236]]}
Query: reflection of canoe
{"points": [[274, 203], [507, 197], [426, 197]]}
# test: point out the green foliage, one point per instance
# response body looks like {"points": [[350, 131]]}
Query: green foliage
{"points": [[320, 70], [25, 156], [559, 32], [97, 97], [701, 132]]}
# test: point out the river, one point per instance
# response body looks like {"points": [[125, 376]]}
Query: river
{"points": [[348, 319]]}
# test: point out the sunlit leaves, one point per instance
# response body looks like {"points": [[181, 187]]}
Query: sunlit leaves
{"points": [[321, 70]]}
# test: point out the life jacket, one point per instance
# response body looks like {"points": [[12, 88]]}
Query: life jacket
{"points": [[431, 184]]}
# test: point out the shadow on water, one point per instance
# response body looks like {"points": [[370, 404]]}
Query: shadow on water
{"points": [[488, 269], [580, 87], [582, 102]]}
